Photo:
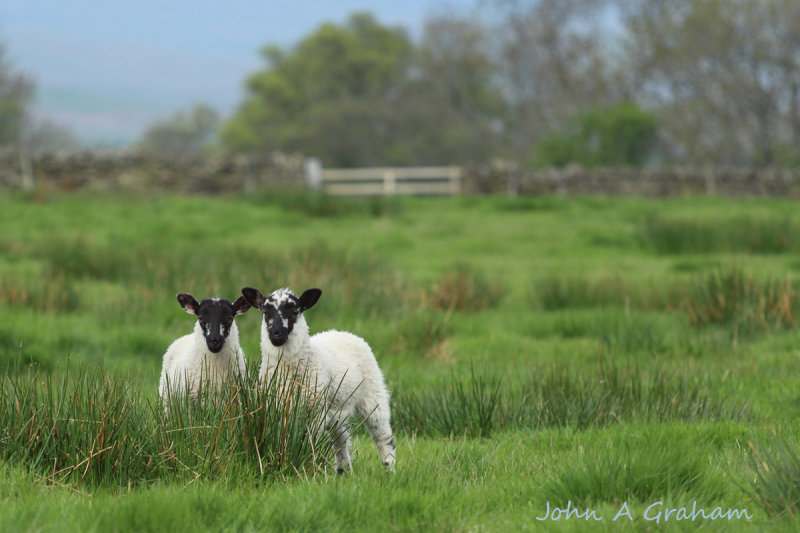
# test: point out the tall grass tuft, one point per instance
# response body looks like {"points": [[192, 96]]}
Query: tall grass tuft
{"points": [[657, 465], [726, 296], [275, 428], [85, 427], [419, 333], [457, 407], [573, 292], [776, 484], [464, 289], [763, 235], [730, 297], [477, 405], [558, 292], [89, 427], [51, 293]]}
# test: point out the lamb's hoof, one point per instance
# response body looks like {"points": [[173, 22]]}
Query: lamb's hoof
{"points": [[340, 471]]}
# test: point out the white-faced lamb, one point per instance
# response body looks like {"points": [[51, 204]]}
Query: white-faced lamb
{"points": [[208, 356], [338, 364]]}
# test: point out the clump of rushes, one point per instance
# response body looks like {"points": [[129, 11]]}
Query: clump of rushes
{"points": [[576, 292], [762, 235], [455, 407], [730, 297], [86, 427], [465, 289], [90, 427], [641, 465], [477, 405], [776, 484]]}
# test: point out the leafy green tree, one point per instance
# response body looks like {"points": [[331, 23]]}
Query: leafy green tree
{"points": [[554, 62], [332, 96], [182, 135], [453, 100], [16, 92], [622, 135]]}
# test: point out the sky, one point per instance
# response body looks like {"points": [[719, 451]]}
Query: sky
{"points": [[107, 70]]}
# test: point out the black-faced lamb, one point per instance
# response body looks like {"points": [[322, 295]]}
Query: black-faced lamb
{"points": [[208, 356], [338, 364]]}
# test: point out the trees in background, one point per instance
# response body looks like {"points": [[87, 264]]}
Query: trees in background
{"points": [[533, 81], [723, 77], [16, 92], [474, 87], [18, 129], [553, 62], [40, 137], [336, 95], [620, 135], [449, 105], [183, 135], [597, 82]]}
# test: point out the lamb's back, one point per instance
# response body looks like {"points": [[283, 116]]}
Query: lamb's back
{"points": [[346, 356]]}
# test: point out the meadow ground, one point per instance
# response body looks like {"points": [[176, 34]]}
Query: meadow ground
{"points": [[617, 357]]}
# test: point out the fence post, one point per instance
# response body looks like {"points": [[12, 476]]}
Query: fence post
{"points": [[389, 183], [454, 177], [26, 169], [312, 169]]}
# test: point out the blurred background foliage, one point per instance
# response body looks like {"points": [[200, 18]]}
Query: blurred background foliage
{"points": [[541, 83]]}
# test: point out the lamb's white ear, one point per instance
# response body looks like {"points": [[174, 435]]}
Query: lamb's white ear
{"points": [[240, 306], [253, 297], [188, 303], [309, 298]]}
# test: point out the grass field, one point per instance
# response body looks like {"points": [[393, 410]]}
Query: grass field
{"points": [[599, 355]]}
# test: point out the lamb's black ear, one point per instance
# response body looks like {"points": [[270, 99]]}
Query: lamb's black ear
{"points": [[188, 303], [240, 306], [309, 298], [253, 297]]}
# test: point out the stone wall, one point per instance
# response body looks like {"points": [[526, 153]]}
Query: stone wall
{"points": [[668, 181], [131, 171]]}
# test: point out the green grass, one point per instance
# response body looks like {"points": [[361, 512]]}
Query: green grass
{"points": [[597, 352], [91, 428], [484, 403], [776, 485], [763, 234]]}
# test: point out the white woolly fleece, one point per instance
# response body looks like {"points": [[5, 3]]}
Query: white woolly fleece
{"points": [[188, 363], [342, 366]]}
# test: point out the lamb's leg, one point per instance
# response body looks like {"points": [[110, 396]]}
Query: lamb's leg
{"points": [[341, 440], [377, 423]]}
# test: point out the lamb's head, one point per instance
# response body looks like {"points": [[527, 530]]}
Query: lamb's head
{"points": [[215, 316], [281, 310]]}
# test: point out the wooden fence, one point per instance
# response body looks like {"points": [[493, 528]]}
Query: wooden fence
{"points": [[419, 181]]}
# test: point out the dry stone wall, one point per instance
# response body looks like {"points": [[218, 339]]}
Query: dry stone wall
{"points": [[667, 181], [132, 171]]}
